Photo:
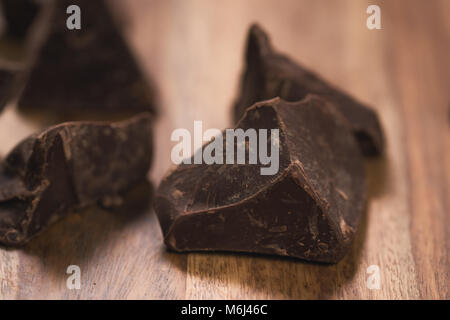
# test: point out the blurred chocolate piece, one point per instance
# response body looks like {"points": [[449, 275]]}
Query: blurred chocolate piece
{"points": [[18, 16], [88, 73], [69, 166], [6, 79], [20, 35], [269, 74], [310, 209]]}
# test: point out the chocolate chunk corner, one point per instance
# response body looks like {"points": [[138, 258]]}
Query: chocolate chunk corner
{"points": [[67, 167], [310, 209], [269, 74]]}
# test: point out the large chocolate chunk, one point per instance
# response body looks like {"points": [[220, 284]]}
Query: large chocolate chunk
{"points": [[270, 74], [309, 209], [88, 73], [68, 166], [6, 79]]}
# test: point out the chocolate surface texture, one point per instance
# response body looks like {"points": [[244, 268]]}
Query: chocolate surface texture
{"points": [[310, 209], [269, 74], [88, 73], [69, 166]]}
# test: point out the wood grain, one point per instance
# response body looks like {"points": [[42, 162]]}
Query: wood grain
{"points": [[193, 51]]}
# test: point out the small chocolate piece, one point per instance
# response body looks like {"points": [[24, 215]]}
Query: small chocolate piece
{"points": [[269, 74], [310, 209], [88, 73], [68, 166], [6, 79]]}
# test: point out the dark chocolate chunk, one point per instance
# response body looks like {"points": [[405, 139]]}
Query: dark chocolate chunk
{"points": [[19, 15], [269, 74], [6, 79], [69, 166], [88, 73], [310, 209]]}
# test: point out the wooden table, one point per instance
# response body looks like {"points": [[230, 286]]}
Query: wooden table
{"points": [[193, 50]]}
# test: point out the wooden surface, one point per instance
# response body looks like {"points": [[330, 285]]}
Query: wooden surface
{"points": [[194, 50]]}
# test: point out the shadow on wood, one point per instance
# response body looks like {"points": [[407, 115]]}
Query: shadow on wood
{"points": [[78, 237]]}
